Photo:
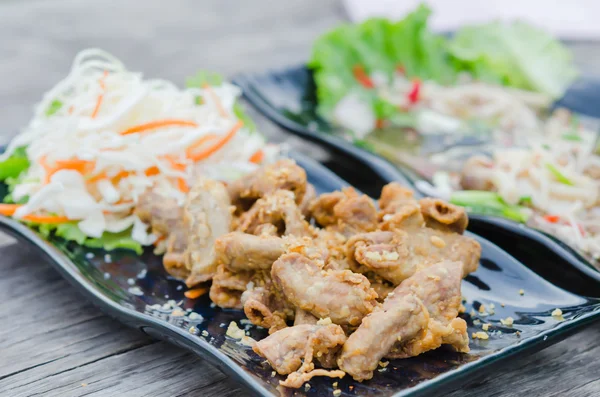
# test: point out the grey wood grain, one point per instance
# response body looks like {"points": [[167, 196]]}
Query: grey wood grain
{"points": [[53, 342]]}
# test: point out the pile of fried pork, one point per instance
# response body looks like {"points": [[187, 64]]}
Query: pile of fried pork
{"points": [[340, 281]]}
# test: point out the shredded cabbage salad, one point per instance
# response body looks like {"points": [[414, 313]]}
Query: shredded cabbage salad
{"points": [[103, 135]]}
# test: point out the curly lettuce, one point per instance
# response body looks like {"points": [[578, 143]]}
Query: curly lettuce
{"points": [[516, 55], [377, 45]]}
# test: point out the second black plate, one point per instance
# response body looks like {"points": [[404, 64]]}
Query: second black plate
{"points": [[288, 98]]}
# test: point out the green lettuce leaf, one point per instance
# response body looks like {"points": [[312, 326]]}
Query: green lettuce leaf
{"points": [[203, 77], [112, 241], [489, 203], [13, 166], [514, 54], [377, 45], [70, 232], [54, 107]]}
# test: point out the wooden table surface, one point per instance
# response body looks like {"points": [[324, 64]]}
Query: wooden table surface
{"points": [[55, 343]]}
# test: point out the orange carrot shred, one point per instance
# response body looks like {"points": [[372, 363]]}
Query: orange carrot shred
{"points": [[189, 152], [195, 293], [46, 218], [257, 157], [152, 125], [181, 183], [218, 145], [159, 239], [101, 96], [216, 100], [8, 209], [152, 171], [82, 166]]}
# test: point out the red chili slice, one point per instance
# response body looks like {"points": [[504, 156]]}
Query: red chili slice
{"points": [[413, 95]]}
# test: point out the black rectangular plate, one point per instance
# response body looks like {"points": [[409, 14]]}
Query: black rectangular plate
{"points": [[288, 98], [129, 287]]}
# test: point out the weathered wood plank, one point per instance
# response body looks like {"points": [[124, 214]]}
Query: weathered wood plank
{"points": [[555, 371], [51, 340]]}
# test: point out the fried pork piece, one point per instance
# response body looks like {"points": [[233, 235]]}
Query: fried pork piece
{"points": [[227, 287], [382, 287], [281, 175], [393, 197], [399, 209], [174, 259], [206, 217], [165, 218], [265, 309], [240, 251], [345, 212], [292, 350], [444, 216], [407, 216], [478, 174], [278, 209], [309, 196], [302, 317], [397, 255], [343, 296], [438, 287], [402, 317]]}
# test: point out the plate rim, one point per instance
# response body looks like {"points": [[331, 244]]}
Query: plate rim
{"points": [[197, 345], [387, 170], [178, 336]]}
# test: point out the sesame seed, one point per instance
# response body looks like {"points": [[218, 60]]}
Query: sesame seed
{"points": [[508, 321], [480, 335], [485, 327], [557, 313], [204, 333], [273, 374], [521, 292], [438, 242], [307, 387], [194, 316], [334, 384], [337, 392]]}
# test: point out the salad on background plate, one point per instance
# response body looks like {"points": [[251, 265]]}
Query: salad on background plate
{"points": [[497, 79], [472, 112]]}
